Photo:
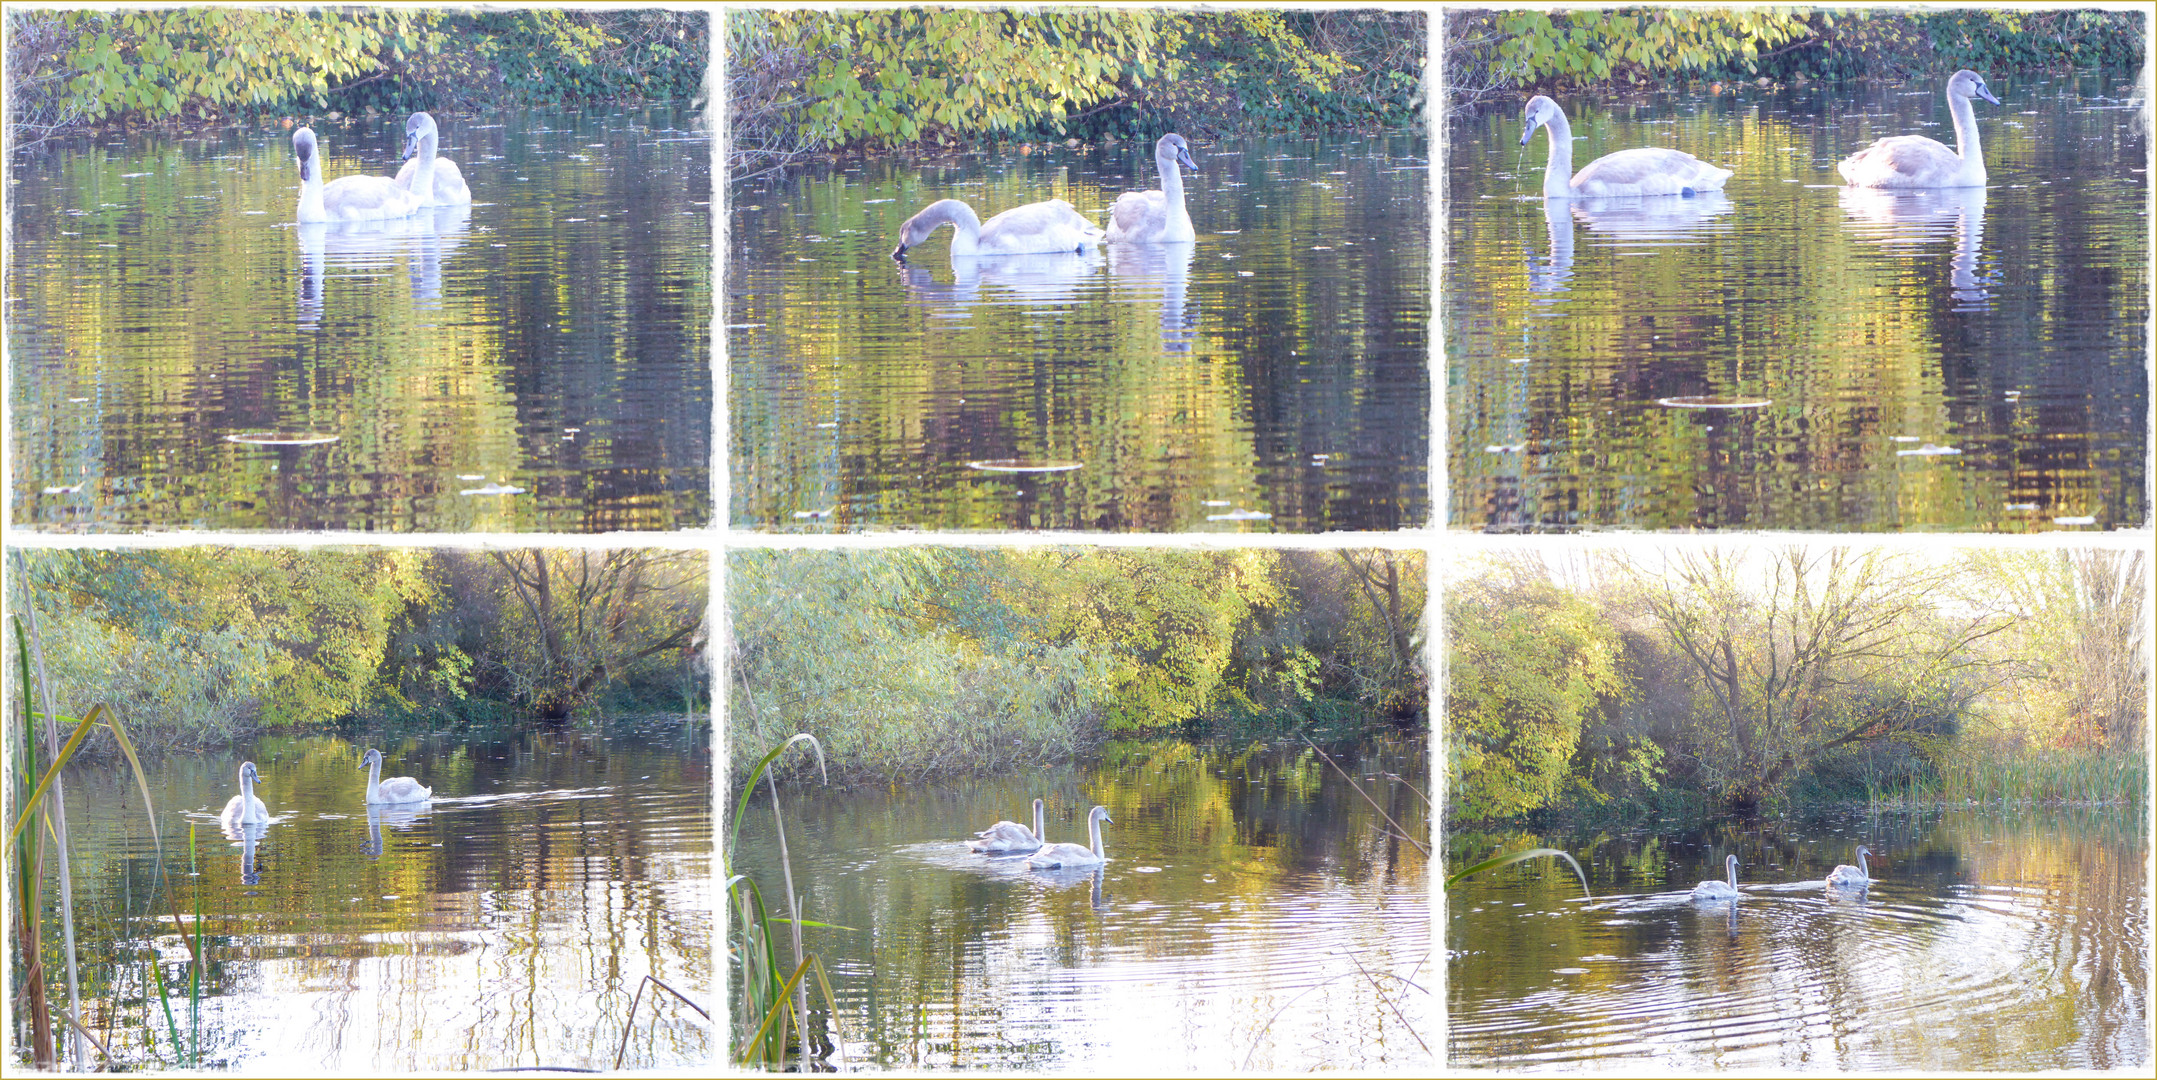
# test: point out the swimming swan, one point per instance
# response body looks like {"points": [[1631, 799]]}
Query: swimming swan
{"points": [[1914, 161], [1009, 837], [1032, 229], [1059, 856], [396, 789], [1648, 170], [1717, 890], [1851, 877], [245, 809], [1157, 217], [437, 179], [347, 198]]}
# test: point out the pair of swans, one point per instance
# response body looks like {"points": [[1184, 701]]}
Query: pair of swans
{"points": [[248, 809], [1843, 877], [1899, 161], [1012, 838], [1139, 217], [426, 180]]}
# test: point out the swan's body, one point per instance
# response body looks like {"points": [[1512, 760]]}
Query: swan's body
{"points": [[1157, 217], [1914, 161], [1720, 890], [347, 198], [244, 808], [1060, 856], [1032, 229], [1648, 170], [437, 179], [1851, 877], [1009, 837], [396, 789]]}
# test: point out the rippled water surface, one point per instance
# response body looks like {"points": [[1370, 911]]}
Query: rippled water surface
{"points": [[1272, 376], [1987, 941], [1241, 894], [507, 922], [185, 356], [1970, 359]]}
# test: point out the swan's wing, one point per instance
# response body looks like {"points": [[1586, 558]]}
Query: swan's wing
{"points": [[1909, 158], [355, 197], [1050, 225], [1137, 214], [449, 184], [1648, 170]]}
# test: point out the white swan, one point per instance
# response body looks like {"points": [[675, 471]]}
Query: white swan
{"points": [[245, 809], [1032, 229], [1851, 877], [1009, 837], [437, 179], [1718, 890], [347, 198], [1914, 161], [1060, 856], [1648, 170], [396, 789], [1157, 217]]}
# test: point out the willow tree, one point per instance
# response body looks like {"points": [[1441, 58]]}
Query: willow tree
{"points": [[1803, 650]]}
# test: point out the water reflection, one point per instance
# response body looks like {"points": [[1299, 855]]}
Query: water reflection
{"points": [[1158, 274], [1911, 224], [1046, 278], [365, 249]]}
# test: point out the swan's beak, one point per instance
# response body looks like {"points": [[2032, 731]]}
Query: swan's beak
{"points": [[1985, 92], [1183, 158], [899, 253], [1527, 131]]}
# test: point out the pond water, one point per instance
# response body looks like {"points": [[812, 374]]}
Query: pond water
{"points": [[1989, 940], [1274, 376], [508, 922], [1254, 914], [1966, 360], [185, 356]]}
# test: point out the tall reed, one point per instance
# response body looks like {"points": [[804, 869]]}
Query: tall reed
{"points": [[774, 1000]]}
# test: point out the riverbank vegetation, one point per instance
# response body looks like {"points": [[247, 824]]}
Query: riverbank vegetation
{"points": [[1512, 51], [1704, 679], [72, 70], [200, 646], [922, 661], [805, 82]]}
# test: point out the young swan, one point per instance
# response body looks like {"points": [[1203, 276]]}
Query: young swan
{"points": [[1062, 856], [1157, 217], [1847, 876], [1033, 229], [244, 808], [1009, 837], [347, 198], [396, 789], [1914, 161], [1718, 890], [437, 179], [1648, 170]]}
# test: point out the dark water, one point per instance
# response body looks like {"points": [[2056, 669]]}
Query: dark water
{"points": [[508, 922], [1243, 889], [1969, 360], [1277, 367], [555, 337], [1989, 940]]}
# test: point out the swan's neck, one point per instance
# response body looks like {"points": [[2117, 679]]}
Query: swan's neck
{"points": [[1171, 178], [965, 227], [1733, 876], [423, 177], [1558, 174], [374, 781], [1966, 141], [1863, 870], [1039, 823], [311, 193], [1093, 822]]}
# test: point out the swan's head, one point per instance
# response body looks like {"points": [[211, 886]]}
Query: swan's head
{"points": [[1731, 862], [371, 757], [418, 132], [1863, 852], [1172, 147], [917, 228], [303, 148], [248, 775], [1968, 84], [1540, 111], [1100, 813]]}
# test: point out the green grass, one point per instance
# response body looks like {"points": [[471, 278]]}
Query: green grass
{"points": [[2079, 777]]}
